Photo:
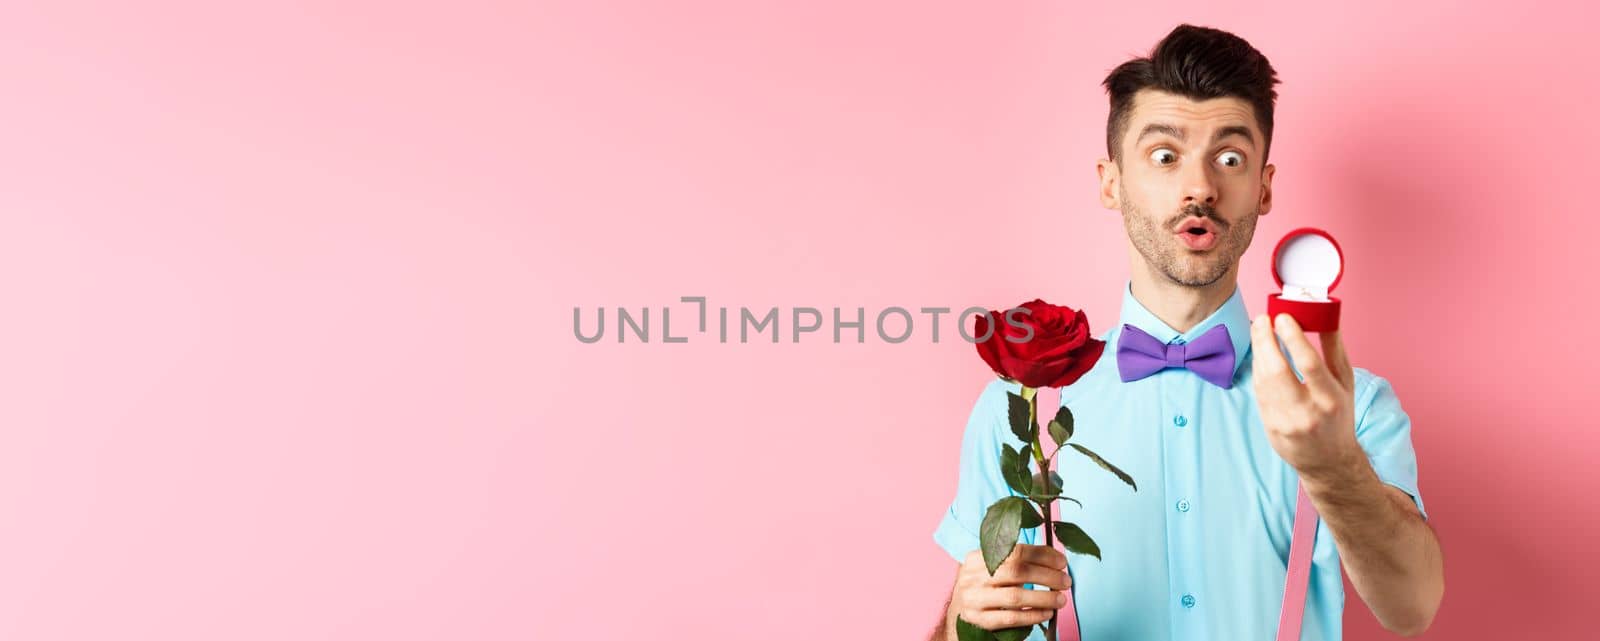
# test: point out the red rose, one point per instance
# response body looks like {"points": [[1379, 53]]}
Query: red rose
{"points": [[1057, 351]]}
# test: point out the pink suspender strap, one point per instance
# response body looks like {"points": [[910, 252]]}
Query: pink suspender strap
{"points": [[1067, 618], [1295, 583], [1299, 574]]}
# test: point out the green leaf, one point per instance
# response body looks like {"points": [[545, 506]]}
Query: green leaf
{"points": [[1030, 515], [1075, 539], [1061, 425], [1014, 468], [966, 631], [1047, 489], [1013, 634], [998, 533], [1051, 492], [1106, 464], [1054, 497], [1017, 411]]}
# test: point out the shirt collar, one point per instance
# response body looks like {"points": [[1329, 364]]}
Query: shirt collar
{"points": [[1232, 313]]}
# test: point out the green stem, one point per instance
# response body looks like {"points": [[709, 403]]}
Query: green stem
{"points": [[1048, 507], [1049, 541], [1032, 396]]}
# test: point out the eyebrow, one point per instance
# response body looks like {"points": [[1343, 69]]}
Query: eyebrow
{"points": [[1160, 128], [1163, 128], [1234, 130]]}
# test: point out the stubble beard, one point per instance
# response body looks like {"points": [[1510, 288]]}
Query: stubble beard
{"points": [[1155, 242]]}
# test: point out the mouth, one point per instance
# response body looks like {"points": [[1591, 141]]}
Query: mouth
{"points": [[1198, 234]]}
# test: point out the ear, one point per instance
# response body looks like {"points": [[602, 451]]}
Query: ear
{"points": [[1266, 188], [1109, 177]]}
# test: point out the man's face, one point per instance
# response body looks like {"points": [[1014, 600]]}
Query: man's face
{"points": [[1190, 183]]}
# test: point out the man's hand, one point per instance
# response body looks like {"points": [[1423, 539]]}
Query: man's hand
{"points": [[1312, 424], [1000, 601], [1389, 551]]}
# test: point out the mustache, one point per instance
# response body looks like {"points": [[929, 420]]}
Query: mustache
{"points": [[1199, 211]]}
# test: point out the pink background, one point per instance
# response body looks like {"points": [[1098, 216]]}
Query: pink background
{"points": [[287, 337]]}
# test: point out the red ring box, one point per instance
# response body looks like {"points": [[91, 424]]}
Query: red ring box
{"points": [[1307, 264]]}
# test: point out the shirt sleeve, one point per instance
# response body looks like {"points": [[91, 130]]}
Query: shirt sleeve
{"points": [[1384, 431], [979, 483]]}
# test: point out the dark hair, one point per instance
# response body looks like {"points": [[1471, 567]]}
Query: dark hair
{"points": [[1198, 63]]}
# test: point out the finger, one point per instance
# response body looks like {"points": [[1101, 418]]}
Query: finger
{"points": [[999, 619], [1338, 359], [1272, 373], [1016, 598], [1025, 573], [1306, 358], [1039, 555]]}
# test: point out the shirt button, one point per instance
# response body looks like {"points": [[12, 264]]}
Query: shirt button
{"points": [[1188, 600], [1183, 505], [1180, 421]]}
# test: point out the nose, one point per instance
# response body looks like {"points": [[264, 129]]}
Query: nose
{"points": [[1199, 186]]}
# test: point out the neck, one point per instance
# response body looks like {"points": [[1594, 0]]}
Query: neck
{"points": [[1181, 306]]}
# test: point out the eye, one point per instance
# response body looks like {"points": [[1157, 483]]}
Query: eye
{"points": [[1163, 156], [1231, 159]]}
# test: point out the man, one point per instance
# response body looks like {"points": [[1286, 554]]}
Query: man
{"points": [[1199, 550]]}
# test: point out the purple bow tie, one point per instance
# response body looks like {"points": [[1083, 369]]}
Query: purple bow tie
{"points": [[1211, 355]]}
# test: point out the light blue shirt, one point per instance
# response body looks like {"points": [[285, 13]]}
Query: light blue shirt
{"points": [[1200, 550]]}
